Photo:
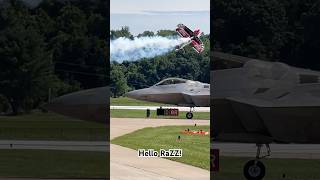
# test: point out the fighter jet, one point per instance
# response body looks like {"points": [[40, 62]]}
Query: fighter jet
{"points": [[176, 91], [262, 102], [89, 105]]}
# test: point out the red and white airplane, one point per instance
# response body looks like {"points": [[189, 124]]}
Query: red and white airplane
{"points": [[195, 41]]}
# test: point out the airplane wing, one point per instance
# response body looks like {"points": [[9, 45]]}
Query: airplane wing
{"points": [[197, 44], [236, 121], [197, 98], [184, 31]]}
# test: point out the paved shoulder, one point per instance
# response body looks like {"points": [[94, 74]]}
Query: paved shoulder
{"points": [[125, 164]]}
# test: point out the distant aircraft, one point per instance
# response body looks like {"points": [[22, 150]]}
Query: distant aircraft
{"points": [[89, 105], [176, 91], [262, 102], [195, 41]]}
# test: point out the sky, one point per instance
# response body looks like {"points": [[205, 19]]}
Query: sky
{"points": [[141, 15]]}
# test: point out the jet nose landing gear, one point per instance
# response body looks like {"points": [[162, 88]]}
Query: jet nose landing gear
{"points": [[189, 114], [254, 169]]}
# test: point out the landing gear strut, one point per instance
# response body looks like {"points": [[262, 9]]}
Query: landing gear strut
{"points": [[189, 114], [254, 169]]}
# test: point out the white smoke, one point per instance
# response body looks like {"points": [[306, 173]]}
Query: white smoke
{"points": [[124, 49]]}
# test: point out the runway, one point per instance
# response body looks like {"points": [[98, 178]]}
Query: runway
{"points": [[97, 146], [182, 109], [2, 178], [295, 151], [125, 163]]}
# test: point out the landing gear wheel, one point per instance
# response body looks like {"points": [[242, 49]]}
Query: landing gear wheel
{"points": [[189, 115], [254, 170]]}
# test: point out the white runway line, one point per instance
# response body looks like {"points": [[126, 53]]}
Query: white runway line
{"points": [[96, 146]]}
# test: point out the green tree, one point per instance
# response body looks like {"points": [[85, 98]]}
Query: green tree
{"points": [[146, 34], [26, 69], [311, 44], [79, 49], [72, 20], [166, 33], [250, 28], [123, 32], [59, 45], [118, 81]]}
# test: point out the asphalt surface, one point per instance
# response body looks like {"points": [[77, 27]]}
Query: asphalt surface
{"points": [[125, 163], [2, 178], [182, 109], [296, 151], [98, 146]]}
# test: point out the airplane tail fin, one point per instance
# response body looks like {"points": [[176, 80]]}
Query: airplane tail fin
{"points": [[196, 32]]}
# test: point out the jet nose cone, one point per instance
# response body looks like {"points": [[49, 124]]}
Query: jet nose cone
{"points": [[133, 94], [89, 105]]}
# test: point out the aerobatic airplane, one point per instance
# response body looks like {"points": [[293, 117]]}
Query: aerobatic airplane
{"points": [[194, 41]]}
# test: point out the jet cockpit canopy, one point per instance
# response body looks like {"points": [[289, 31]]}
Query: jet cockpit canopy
{"points": [[170, 81]]}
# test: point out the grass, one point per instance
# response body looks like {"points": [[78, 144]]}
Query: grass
{"points": [[125, 101], [53, 164], [49, 126], [291, 169], [122, 113], [195, 147]]}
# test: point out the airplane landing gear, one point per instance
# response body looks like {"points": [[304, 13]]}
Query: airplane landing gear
{"points": [[254, 169], [189, 114]]}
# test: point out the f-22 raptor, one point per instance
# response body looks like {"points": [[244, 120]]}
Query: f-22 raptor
{"points": [[262, 102], [176, 91]]}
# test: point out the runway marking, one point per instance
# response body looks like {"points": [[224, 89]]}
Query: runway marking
{"points": [[98, 146]]}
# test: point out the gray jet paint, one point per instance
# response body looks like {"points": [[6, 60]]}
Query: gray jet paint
{"points": [[261, 102], [89, 105], [175, 91]]}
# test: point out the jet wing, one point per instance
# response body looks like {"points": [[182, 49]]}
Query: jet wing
{"points": [[197, 99], [258, 121], [184, 31], [236, 121]]}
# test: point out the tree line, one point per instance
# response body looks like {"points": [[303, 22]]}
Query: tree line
{"points": [[273, 30], [56, 47]]}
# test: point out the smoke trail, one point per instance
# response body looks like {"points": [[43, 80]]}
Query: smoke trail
{"points": [[122, 49]]}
